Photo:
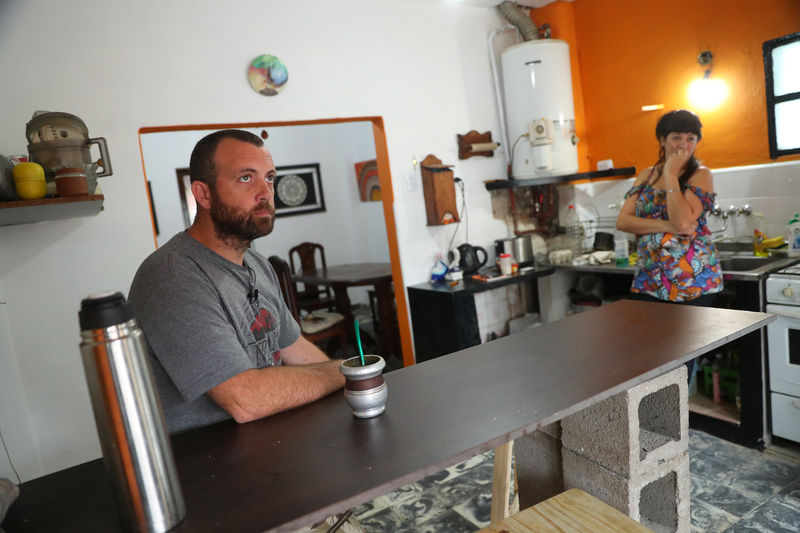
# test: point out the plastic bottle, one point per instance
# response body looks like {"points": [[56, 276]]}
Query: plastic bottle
{"points": [[574, 230], [758, 236], [133, 435], [439, 269], [715, 379], [621, 252], [793, 236]]}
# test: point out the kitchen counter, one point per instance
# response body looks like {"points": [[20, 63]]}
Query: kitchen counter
{"points": [[469, 285], [736, 265], [444, 317], [288, 470]]}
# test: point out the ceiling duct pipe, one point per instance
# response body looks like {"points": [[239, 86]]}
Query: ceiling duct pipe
{"points": [[520, 19]]}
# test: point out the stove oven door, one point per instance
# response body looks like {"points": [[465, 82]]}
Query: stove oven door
{"points": [[783, 338]]}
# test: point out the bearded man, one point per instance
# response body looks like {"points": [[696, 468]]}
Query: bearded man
{"points": [[222, 341]]}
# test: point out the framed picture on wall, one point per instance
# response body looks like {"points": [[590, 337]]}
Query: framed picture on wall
{"points": [[298, 190], [188, 204]]}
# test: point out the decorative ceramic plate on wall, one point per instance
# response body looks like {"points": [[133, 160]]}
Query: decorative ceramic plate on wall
{"points": [[292, 190], [267, 75]]}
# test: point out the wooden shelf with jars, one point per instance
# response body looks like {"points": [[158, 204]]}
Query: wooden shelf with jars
{"points": [[27, 211]]}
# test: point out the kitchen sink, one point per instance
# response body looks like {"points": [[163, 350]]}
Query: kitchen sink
{"points": [[743, 264]]}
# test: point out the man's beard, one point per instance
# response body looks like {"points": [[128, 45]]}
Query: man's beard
{"points": [[237, 227]]}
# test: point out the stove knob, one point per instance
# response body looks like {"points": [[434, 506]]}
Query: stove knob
{"points": [[788, 292]]}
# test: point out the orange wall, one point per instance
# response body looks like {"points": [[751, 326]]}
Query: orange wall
{"points": [[560, 17], [632, 53]]}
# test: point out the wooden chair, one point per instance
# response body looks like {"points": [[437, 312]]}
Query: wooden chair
{"points": [[312, 296], [317, 326]]}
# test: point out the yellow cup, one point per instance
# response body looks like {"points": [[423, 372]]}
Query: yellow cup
{"points": [[29, 181]]}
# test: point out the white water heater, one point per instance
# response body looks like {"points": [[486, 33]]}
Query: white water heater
{"points": [[540, 116]]}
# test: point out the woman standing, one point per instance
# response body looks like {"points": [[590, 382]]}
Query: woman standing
{"points": [[666, 209]]}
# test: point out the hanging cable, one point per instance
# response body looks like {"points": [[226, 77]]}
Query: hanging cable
{"points": [[460, 183], [3, 441], [514, 149]]}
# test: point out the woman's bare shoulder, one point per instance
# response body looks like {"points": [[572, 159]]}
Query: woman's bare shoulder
{"points": [[702, 178], [643, 175]]}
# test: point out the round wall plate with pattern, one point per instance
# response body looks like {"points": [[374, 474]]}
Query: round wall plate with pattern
{"points": [[267, 75], [292, 190]]}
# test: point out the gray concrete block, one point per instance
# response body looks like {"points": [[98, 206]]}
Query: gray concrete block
{"points": [[635, 429], [554, 430], [657, 498], [537, 460]]}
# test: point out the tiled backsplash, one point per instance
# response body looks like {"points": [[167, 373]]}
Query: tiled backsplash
{"points": [[772, 189], [496, 307]]}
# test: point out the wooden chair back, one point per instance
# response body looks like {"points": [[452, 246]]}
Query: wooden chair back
{"points": [[305, 256], [336, 334], [288, 288]]}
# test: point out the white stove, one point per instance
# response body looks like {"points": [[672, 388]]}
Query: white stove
{"points": [[783, 342], [783, 287]]}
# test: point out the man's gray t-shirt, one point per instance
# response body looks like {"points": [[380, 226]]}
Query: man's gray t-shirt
{"points": [[206, 320]]}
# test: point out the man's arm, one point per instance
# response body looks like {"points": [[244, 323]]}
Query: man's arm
{"points": [[308, 376]]}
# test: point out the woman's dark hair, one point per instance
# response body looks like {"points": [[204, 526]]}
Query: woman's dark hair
{"points": [[201, 163], [679, 121]]}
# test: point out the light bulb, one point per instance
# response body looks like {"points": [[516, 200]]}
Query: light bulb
{"points": [[707, 93]]}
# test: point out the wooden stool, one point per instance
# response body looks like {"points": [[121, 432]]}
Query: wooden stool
{"points": [[572, 511]]}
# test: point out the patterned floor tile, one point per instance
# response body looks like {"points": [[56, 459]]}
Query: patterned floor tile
{"points": [[450, 521], [387, 520], [698, 485], [699, 441], [710, 468], [728, 499], [783, 472], [772, 517], [709, 519], [728, 483], [757, 485], [730, 453], [790, 496], [477, 509]]}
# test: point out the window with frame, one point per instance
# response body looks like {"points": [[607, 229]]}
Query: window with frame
{"points": [[782, 73]]}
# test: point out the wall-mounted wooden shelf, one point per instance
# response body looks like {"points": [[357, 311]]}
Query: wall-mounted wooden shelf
{"points": [[26, 211], [492, 185]]}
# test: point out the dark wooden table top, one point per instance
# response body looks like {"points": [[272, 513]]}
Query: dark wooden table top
{"points": [[288, 470], [350, 274]]}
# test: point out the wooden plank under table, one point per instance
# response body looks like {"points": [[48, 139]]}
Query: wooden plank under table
{"points": [[572, 511], [291, 469]]}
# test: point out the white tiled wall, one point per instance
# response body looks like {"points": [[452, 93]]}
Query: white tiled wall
{"points": [[772, 189], [496, 307]]}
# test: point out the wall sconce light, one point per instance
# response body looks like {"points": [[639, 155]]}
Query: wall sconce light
{"points": [[707, 93]]}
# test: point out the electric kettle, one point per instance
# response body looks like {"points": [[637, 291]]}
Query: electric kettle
{"points": [[61, 141], [469, 261]]}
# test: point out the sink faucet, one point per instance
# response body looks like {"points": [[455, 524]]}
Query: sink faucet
{"points": [[719, 212]]}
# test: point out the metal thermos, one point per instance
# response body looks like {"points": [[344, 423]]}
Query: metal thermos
{"points": [[128, 415]]}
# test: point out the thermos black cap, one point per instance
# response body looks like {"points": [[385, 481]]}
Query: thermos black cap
{"points": [[103, 310]]}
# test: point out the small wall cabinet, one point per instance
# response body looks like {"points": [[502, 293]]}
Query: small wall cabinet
{"points": [[439, 188]]}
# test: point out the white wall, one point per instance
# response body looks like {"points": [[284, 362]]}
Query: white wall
{"points": [[420, 64]]}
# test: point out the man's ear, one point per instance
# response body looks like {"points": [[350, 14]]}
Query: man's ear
{"points": [[202, 194]]}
